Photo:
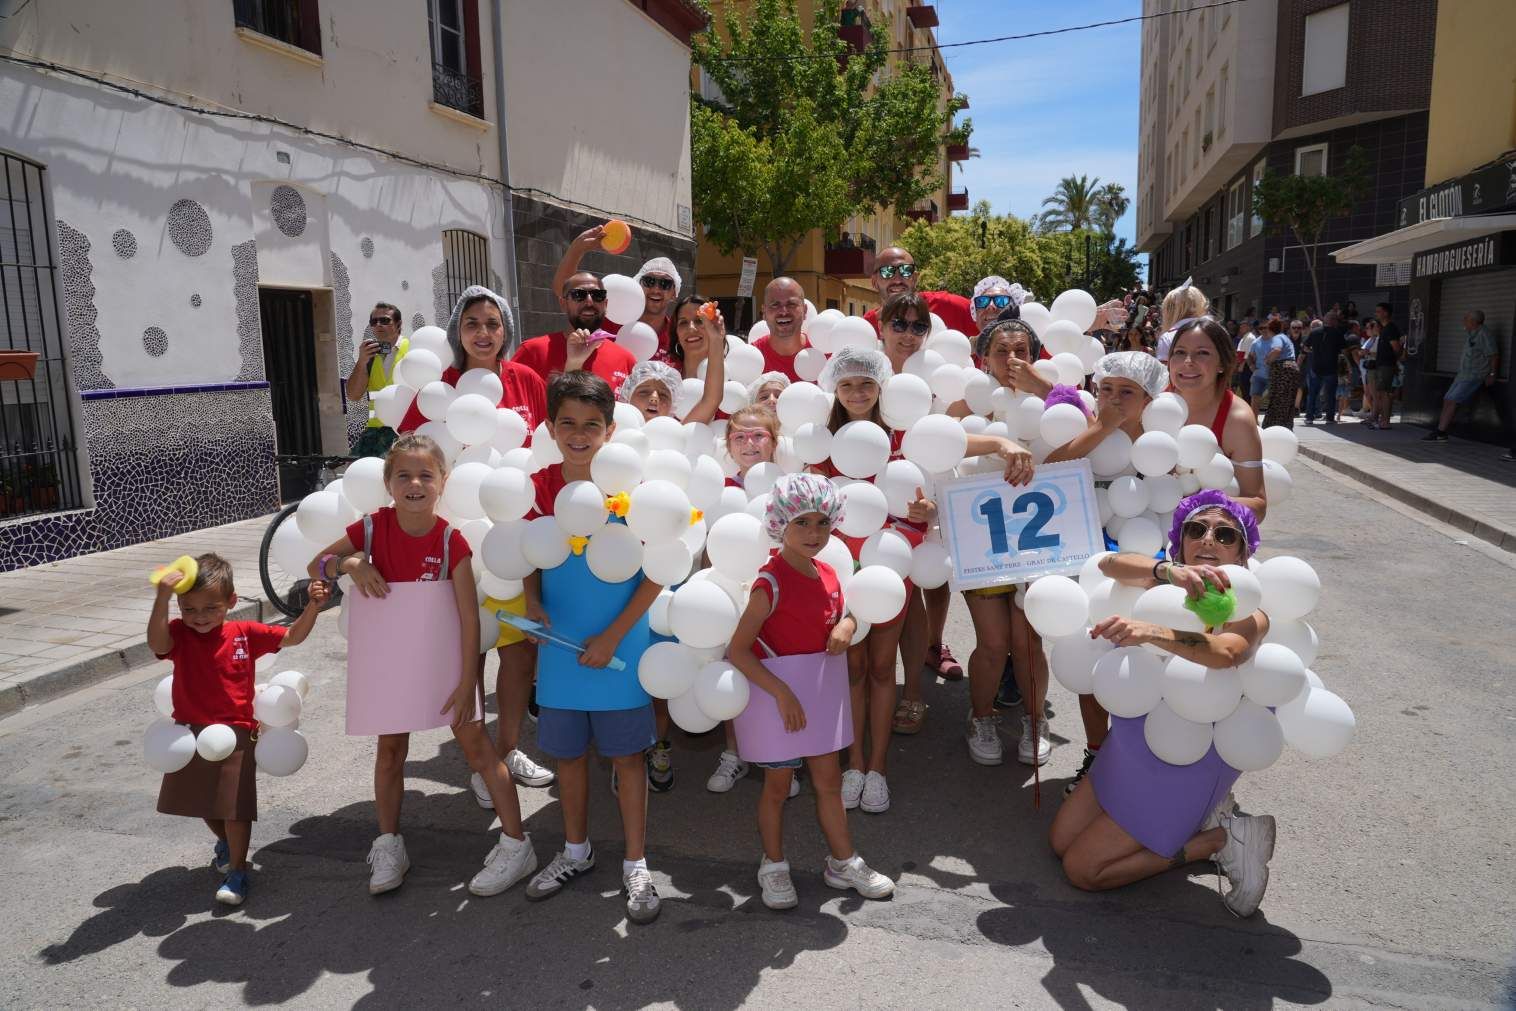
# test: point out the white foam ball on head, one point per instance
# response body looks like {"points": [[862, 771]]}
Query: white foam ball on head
{"points": [[864, 509], [1155, 452], [507, 493], [931, 565], [1197, 444], [1076, 305], [543, 544], [1175, 739], [1112, 454], [702, 615], [1291, 588], [1140, 535], [1317, 723], [667, 669], [1128, 681], [638, 339], [667, 465], [1250, 739], [1215, 473], [363, 484], [875, 594], [580, 508], [935, 443], [1062, 337], [435, 398], [1280, 444], [1247, 590], [760, 478], [216, 741], [1277, 482], [899, 482], [860, 449], [659, 511], [167, 746], [1056, 607], [687, 715], [721, 690], [322, 518], [614, 553], [889, 548], [737, 546], [949, 382], [1128, 495], [1273, 675], [1061, 423], [1198, 693], [461, 492], [1070, 368], [905, 400], [280, 751], [276, 705], [1110, 599], [1295, 635], [624, 300], [1073, 660], [1028, 418], [430, 338], [1163, 605], [953, 345], [419, 367]]}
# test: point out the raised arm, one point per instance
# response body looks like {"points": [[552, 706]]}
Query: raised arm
{"points": [[574, 255], [715, 372]]}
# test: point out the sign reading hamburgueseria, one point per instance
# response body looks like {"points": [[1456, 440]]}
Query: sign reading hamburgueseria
{"points": [[1496, 250]]}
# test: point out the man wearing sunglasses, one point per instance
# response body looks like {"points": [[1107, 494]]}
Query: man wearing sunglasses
{"points": [[658, 277], [583, 343], [895, 274], [784, 312], [379, 352]]}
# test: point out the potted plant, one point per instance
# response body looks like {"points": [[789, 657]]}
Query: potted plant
{"points": [[18, 365], [39, 486]]}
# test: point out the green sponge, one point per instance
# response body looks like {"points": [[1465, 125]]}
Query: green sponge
{"points": [[1213, 608]]}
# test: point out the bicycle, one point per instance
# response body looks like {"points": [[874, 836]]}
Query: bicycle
{"points": [[288, 592]]}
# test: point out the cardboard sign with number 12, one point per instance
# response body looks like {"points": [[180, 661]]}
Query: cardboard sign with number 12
{"points": [[999, 534]]}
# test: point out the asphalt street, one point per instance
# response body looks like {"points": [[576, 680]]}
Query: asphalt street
{"points": [[1393, 881]]}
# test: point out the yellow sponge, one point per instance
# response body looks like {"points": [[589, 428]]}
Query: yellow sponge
{"points": [[185, 565]]}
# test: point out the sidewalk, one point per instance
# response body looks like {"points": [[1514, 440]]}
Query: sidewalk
{"points": [[72, 623], [1462, 483]]}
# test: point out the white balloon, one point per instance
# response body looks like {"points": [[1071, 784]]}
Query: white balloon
{"points": [[1036, 315], [875, 594], [614, 553], [905, 400], [1061, 423], [1175, 739], [1167, 414], [1163, 491], [721, 690], [1062, 337], [163, 697], [803, 403], [1247, 590], [979, 391], [658, 614], [1277, 482], [543, 543], [1026, 418], [1215, 473], [899, 482], [483, 453], [861, 449], [1073, 660], [507, 494], [1163, 605], [667, 669], [430, 338], [864, 509], [1273, 675], [461, 492], [737, 546], [491, 585], [1090, 354], [744, 363], [639, 340], [1111, 598], [889, 548], [760, 479], [392, 403], [1128, 496], [1140, 535], [1317, 723], [758, 329], [419, 367], [616, 468], [281, 751], [949, 382], [733, 397], [659, 511], [322, 518], [1291, 588], [976, 425], [1250, 739], [702, 615], [1295, 635], [1077, 306], [931, 565], [705, 483], [1128, 681], [435, 398], [1198, 693], [665, 433], [690, 392], [1070, 368], [363, 485], [1189, 484], [503, 551], [1056, 607], [1280, 445], [292, 551], [667, 465], [472, 420], [819, 330], [687, 715], [953, 345], [1197, 444], [167, 746], [218, 740], [276, 705], [808, 364], [1090, 575], [481, 382], [1112, 454], [1155, 453], [580, 508], [667, 563], [922, 364], [438, 433], [813, 442], [624, 300], [936, 444]]}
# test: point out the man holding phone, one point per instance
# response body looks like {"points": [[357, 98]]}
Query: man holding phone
{"points": [[379, 352]]}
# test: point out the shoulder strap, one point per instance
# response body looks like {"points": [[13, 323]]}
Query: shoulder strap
{"points": [[773, 586], [368, 535], [447, 568]]}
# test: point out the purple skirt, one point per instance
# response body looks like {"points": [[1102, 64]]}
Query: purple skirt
{"points": [[1158, 804]]}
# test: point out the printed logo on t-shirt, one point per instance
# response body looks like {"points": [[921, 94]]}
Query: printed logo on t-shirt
{"points": [[239, 648], [431, 568], [618, 377]]}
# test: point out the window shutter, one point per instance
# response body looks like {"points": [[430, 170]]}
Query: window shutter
{"points": [[310, 26], [471, 46]]}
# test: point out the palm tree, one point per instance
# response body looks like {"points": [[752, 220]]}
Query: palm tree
{"points": [[1113, 204], [1075, 205]]}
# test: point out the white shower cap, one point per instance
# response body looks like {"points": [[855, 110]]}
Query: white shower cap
{"points": [[852, 360]]}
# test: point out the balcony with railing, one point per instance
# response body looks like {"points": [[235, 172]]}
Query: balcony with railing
{"points": [[457, 90], [922, 15], [855, 28], [958, 200], [925, 211], [847, 258]]}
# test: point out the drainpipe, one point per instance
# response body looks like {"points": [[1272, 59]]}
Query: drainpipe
{"points": [[496, 40]]}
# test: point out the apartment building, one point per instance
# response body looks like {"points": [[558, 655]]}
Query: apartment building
{"points": [[203, 199], [1277, 86]]}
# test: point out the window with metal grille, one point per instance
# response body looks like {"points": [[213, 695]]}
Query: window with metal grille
{"points": [[39, 468], [296, 22], [453, 30], [466, 258]]}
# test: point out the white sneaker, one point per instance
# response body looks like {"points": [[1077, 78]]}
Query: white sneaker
{"points": [[509, 862], [852, 789], [551, 879], [794, 785], [1245, 860], [876, 794], [778, 889], [388, 863], [1025, 753], [728, 770], [481, 792], [642, 903], [984, 740], [527, 772], [1228, 806], [855, 874]]}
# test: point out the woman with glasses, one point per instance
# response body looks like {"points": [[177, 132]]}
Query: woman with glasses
{"points": [[380, 352], [1201, 362], [1137, 816]]}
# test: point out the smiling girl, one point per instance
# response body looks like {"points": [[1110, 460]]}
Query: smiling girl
{"points": [[1201, 361]]}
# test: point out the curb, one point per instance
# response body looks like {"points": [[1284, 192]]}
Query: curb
{"points": [[1441, 511], [92, 670]]}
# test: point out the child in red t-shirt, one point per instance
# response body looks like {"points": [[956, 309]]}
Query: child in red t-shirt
{"points": [[214, 660], [409, 543], [795, 609]]}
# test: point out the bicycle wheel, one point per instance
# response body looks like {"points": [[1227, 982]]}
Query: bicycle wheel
{"points": [[287, 591]]}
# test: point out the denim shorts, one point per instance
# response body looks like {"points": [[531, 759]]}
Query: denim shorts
{"points": [[1463, 390], [1259, 384], [568, 733], [788, 763]]}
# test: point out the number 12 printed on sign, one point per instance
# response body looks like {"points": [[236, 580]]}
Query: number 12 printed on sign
{"points": [[999, 534]]}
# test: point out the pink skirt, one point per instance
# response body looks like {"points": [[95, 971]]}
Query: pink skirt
{"points": [[819, 681]]}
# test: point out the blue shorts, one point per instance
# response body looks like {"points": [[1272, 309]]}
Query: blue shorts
{"points": [[1259, 384], [788, 763], [1463, 390], [568, 733]]}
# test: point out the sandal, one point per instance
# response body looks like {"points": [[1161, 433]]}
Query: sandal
{"points": [[909, 716]]}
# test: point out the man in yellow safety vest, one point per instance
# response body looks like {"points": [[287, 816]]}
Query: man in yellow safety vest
{"points": [[380, 352]]}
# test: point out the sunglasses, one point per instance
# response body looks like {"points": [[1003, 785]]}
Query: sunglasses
{"points": [[580, 294], [381, 321], [1224, 535], [661, 283], [901, 326], [999, 301], [903, 269]]}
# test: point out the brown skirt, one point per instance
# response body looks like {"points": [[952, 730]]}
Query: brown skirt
{"points": [[227, 789]]}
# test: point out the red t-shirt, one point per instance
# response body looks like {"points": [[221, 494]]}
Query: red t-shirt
{"points": [[548, 482], [213, 671], [523, 391], [401, 558], [956, 312], [547, 354], [773, 361], [803, 611]]}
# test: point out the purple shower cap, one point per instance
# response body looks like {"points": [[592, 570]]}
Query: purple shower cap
{"points": [[1213, 499]]}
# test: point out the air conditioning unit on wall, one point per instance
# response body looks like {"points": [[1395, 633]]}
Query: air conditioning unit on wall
{"points": [[1276, 265]]}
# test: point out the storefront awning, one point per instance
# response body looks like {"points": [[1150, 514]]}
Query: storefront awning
{"points": [[1403, 243]]}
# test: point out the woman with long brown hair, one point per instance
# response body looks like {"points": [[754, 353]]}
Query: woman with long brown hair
{"points": [[1201, 362]]}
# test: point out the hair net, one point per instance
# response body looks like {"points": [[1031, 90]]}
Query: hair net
{"points": [[993, 281], [473, 293], [1212, 499], [1009, 318], [660, 265], [855, 361], [1138, 366], [650, 371], [778, 379], [794, 495]]}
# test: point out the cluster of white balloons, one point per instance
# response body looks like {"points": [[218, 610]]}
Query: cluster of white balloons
{"points": [[281, 749]]}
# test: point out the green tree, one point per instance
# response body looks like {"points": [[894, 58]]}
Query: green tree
{"points": [[1113, 203], [1306, 204], [802, 137], [1083, 204]]}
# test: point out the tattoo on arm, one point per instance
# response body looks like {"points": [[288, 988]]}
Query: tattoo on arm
{"points": [[1189, 638]]}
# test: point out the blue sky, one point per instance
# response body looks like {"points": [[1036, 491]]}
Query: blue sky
{"points": [[1049, 107]]}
